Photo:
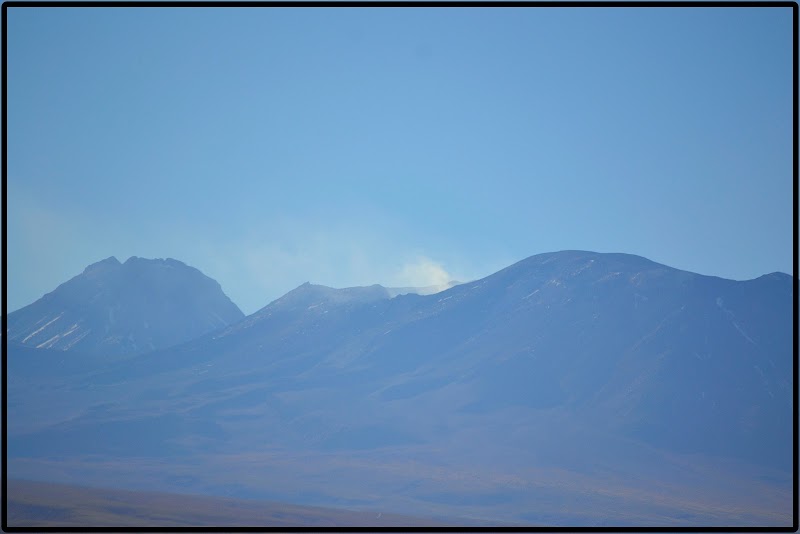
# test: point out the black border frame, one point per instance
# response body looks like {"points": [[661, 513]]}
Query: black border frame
{"points": [[377, 4]]}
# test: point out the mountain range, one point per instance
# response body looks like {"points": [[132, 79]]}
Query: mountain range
{"points": [[571, 388]]}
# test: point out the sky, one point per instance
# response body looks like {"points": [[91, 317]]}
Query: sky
{"points": [[404, 146]]}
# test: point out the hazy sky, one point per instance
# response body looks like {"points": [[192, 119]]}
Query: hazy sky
{"points": [[351, 146]]}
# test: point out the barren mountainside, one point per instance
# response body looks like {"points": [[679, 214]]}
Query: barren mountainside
{"points": [[638, 393], [115, 308]]}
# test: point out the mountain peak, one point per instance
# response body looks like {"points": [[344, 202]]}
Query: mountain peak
{"points": [[153, 261], [129, 308], [109, 263], [308, 294]]}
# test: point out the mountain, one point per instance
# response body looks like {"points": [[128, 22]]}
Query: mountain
{"points": [[637, 393], [425, 290], [115, 309]]}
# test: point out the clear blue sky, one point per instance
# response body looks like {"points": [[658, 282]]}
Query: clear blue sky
{"points": [[269, 147]]}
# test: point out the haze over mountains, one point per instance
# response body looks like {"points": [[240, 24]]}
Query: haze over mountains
{"points": [[570, 388]]}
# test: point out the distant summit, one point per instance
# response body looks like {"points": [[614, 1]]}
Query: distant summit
{"points": [[115, 308], [312, 294]]}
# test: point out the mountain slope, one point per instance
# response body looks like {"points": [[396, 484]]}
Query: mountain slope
{"points": [[426, 290], [566, 377], [117, 309]]}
